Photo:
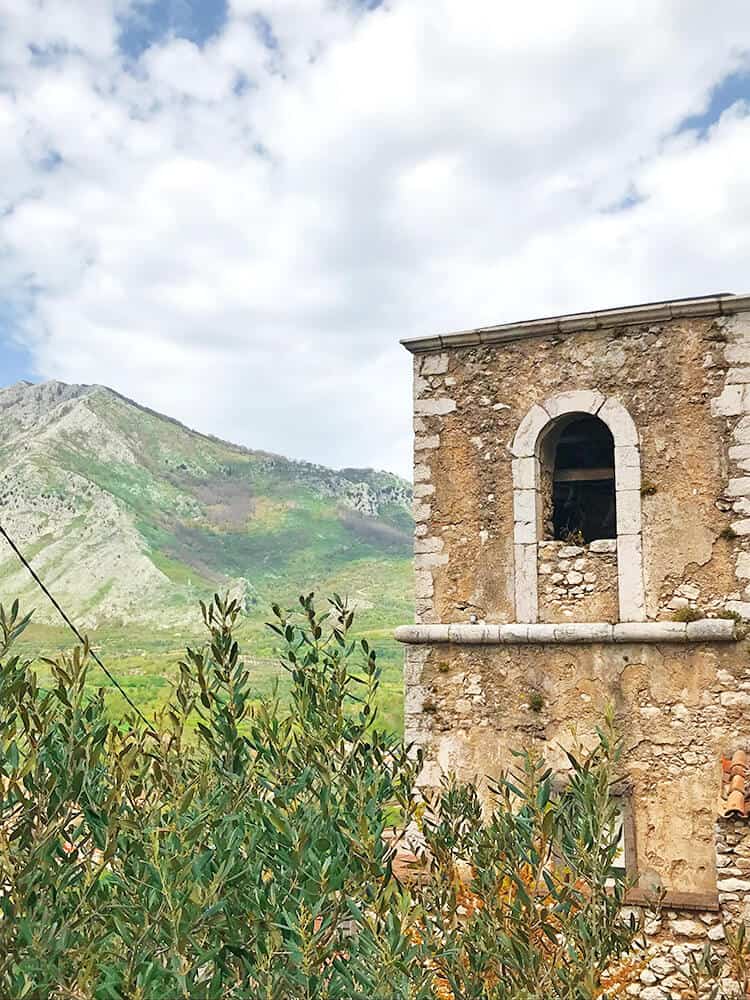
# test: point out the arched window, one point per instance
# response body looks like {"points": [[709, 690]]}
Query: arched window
{"points": [[577, 475], [581, 503]]}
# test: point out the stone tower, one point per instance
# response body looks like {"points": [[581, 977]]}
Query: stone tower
{"points": [[582, 508]]}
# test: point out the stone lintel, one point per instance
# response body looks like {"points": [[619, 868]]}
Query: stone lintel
{"points": [[705, 630], [652, 312]]}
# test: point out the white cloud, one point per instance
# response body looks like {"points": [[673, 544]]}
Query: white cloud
{"points": [[238, 235]]}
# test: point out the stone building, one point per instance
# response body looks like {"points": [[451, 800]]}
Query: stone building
{"points": [[582, 508]]}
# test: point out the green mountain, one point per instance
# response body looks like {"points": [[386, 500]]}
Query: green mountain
{"points": [[131, 517]]}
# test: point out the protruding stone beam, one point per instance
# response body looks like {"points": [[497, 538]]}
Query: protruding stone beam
{"points": [[704, 630]]}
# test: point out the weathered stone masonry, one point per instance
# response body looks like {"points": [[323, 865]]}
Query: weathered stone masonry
{"points": [[510, 647]]}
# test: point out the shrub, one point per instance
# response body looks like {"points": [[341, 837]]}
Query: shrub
{"points": [[246, 857], [688, 615]]}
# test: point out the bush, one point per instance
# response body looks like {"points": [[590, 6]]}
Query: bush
{"points": [[237, 850]]}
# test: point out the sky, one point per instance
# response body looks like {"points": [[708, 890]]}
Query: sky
{"points": [[232, 210]]}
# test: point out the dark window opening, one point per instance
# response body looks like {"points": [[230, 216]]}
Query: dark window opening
{"points": [[583, 489]]}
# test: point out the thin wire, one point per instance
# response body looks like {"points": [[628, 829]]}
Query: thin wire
{"points": [[72, 627]]}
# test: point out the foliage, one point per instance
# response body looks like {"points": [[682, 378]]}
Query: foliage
{"points": [[250, 860], [688, 614], [534, 880]]}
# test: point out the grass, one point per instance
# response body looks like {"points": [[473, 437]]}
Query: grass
{"points": [[145, 663]]}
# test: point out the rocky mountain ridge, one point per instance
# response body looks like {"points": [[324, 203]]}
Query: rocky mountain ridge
{"points": [[130, 515]]}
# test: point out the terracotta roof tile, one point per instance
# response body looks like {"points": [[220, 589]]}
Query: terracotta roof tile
{"points": [[734, 800]]}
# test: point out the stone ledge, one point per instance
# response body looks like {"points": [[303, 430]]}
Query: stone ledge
{"points": [[519, 633], [652, 312]]}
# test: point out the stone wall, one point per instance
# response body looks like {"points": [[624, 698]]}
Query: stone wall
{"points": [[678, 381], [679, 708], [686, 385], [578, 583], [672, 936]]}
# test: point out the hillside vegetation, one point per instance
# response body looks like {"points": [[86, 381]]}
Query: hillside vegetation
{"points": [[131, 518]]}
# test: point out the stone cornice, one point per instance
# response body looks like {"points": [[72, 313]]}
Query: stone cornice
{"points": [[705, 630], [556, 326]]}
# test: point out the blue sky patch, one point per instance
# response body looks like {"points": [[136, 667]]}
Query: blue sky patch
{"points": [[152, 21], [15, 361], [733, 88], [630, 199]]}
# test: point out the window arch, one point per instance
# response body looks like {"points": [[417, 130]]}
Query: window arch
{"points": [[545, 449], [577, 463]]}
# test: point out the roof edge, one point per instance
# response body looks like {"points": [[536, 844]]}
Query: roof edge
{"points": [[724, 304]]}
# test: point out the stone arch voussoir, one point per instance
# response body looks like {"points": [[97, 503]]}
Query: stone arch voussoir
{"points": [[525, 469]]}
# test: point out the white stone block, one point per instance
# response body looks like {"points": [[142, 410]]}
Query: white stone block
{"points": [[735, 699], [741, 527], [627, 456], [541, 633], [524, 506], [514, 633], [407, 633], [524, 532], [628, 512], [602, 546], [619, 421], [434, 407], [742, 566], [627, 477], [711, 630], [738, 353], [583, 632], [414, 662], [422, 473], [421, 511], [570, 551], [739, 451], [525, 473], [423, 585], [730, 403], [426, 442], [414, 699], [473, 635], [678, 602], [526, 583], [650, 632], [427, 560], [739, 487], [434, 633], [741, 432], [630, 578], [435, 364], [422, 490], [738, 375], [524, 443], [577, 401], [741, 608], [420, 386], [428, 544]]}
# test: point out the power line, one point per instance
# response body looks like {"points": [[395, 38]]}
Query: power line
{"points": [[72, 627]]}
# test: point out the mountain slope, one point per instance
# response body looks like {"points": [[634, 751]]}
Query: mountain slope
{"points": [[131, 517]]}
